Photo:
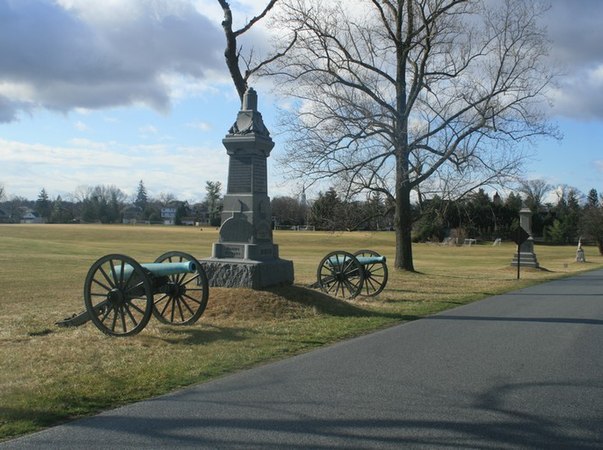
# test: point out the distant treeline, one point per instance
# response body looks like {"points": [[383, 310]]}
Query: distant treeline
{"points": [[477, 215]]}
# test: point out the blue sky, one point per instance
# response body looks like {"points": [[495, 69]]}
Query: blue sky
{"points": [[115, 91]]}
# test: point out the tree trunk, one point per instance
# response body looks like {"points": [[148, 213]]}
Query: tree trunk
{"points": [[403, 215], [231, 52], [403, 225]]}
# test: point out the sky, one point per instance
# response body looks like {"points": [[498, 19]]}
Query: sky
{"points": [[113, 92]]}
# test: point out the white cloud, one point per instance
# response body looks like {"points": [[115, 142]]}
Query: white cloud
{"points": [[581, 94], [81, 126], [95, 54], [576, 34], [203, 126], [15, 89], [148, 129], [181, 170]]}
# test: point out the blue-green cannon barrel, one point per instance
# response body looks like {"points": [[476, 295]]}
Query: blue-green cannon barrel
{"points": [[161, 269], [363, 260], [366, 260]]}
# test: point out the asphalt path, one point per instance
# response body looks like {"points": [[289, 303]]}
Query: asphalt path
{"points": [[520, 370]]}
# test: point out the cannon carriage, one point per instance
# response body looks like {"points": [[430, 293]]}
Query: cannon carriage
{"points": [[121, 295], [347, 275]]}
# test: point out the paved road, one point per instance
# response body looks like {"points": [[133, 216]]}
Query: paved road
{"points": [[523, 369]]}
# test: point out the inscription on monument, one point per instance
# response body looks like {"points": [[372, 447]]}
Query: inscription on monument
{"points": [[239, 175], [260, 175], [232, 251]]}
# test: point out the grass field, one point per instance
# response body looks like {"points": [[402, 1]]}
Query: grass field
{"points": [[51, 374]]}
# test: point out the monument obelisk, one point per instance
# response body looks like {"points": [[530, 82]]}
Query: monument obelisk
{"points": [[245, 255]]}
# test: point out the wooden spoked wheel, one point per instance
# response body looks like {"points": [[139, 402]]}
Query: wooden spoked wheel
{"points": [[118, 295], [375, 273], [183, 297], [340, 274]]}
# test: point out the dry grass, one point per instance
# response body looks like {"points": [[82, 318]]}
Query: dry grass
{"points": [[51, 374]]}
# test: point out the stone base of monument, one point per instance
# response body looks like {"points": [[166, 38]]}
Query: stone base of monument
{"points": [[244, 273], [526, 260], [527, 255]]}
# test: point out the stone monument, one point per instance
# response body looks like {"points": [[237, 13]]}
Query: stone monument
{"points": [[580, 252], [245, 255], [526, 249]]}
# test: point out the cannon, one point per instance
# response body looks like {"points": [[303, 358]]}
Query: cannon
{"points": [[120, 295], [347, 275]]}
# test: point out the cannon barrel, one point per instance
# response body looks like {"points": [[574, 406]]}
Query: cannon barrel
{"points": [[363, 260], [161, 269]]}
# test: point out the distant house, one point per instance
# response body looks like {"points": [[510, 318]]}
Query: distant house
{"points": [[31, 217], [168, 214], [4, 218]]}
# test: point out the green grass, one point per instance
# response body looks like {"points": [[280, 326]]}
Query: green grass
{"points": [[51, 374]]}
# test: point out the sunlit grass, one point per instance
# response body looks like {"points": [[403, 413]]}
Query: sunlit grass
{"points": [[50, 374]]}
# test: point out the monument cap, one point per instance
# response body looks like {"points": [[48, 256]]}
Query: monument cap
{"points": [[250, 100]]}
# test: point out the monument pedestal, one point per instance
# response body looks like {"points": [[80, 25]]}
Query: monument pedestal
{"points": [[527, 257], [245, 255], [247, 273]]}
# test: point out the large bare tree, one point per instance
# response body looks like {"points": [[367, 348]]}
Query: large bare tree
{"points": [[393, 95]]}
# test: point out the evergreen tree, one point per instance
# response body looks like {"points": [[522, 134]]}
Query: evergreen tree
{"points": [[592, 200], [43, 204], [142, 199], [431, 224], [564, 229], [591, 220], [182, 211], [213, 200], [326, 211], [60, 211]]}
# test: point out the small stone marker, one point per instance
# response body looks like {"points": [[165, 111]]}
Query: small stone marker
{"points": [[580, 252]]}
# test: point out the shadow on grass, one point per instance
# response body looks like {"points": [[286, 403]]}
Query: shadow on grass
{"points": [[207, 334], [284, 303], [18, 421], [327, 305]]}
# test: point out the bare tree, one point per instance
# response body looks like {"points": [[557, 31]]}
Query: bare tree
{"points": [[166, 198], [233, 54], [393, 94], [534, 192]]}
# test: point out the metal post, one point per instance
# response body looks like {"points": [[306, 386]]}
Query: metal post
{"points": [[518, 259]]}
